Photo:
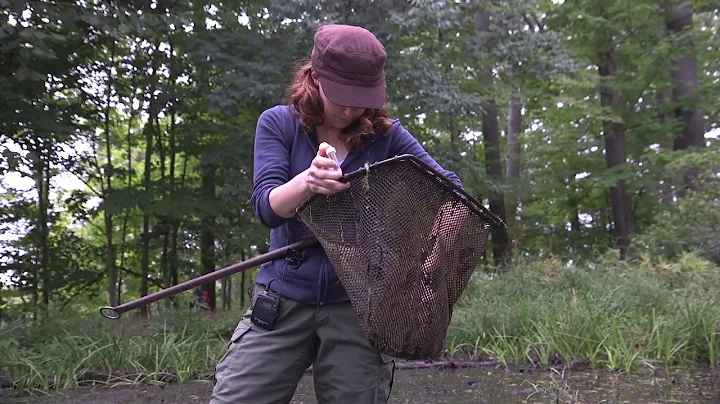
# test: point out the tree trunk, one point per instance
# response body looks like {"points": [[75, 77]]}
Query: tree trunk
{"points": [[39, 274], [175, 230], [164, 226], [112, 271], [170, 222], [685, 90], [454, 135], [227, 293], [145, 253], [171, 272], [242, 281], [575, 237], [615, 151], [44, 206], [149, 130], [129, 166], [512, 167], [175, 220], [491, 137], [454, 127], [513, 130], [112, 286], [207, 232], [207, 169]]}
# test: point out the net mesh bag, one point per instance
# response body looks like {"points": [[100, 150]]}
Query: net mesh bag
{"points": [[404, 241]]}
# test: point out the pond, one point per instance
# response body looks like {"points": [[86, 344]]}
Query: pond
{"points": [[458, 386]]}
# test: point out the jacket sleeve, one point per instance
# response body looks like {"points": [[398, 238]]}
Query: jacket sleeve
{"points": [[404, 142], [271, 165]]}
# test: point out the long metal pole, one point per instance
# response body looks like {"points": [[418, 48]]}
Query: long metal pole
{"points": [[115, 312]]}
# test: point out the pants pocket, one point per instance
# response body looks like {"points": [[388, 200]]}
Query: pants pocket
{"points": [[387, 378], [242, 328]]}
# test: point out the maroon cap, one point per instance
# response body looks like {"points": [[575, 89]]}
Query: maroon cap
{"points": [[350, 64]]}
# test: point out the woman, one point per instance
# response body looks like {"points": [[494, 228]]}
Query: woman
{"points": [[304, 316]]}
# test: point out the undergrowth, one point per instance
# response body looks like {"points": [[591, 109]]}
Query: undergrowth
{"points": [[61, 355], [615, 315]]}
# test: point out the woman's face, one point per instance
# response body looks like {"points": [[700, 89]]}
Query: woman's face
{"points": [[338, 116]]}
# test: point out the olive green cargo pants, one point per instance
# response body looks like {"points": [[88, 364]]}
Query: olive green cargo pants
{"points": [[264, 367]]}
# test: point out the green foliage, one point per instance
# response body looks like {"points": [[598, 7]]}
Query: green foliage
{"points": [[643, 313], [692, 223], [89, 90], [66, 354]]}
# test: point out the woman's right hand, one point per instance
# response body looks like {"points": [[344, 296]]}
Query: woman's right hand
{"points": [[322, 176]]}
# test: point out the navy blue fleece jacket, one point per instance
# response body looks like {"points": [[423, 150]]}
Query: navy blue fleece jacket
{"points": [[282, 150]]}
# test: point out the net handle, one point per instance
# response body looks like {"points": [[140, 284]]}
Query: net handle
{"points": [[472, 203], [114, 313]]}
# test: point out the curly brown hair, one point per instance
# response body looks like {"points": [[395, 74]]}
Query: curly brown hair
{"points": [[304, 95]]}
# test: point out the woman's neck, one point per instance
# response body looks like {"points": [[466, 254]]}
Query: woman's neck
{"points": [[329, 135], [332, 137]]}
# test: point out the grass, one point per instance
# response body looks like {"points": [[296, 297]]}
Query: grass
{"points": [[60, 356], [617, 316]]}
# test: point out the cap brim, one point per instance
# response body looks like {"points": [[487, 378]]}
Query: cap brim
{"points": [[353, 96]]}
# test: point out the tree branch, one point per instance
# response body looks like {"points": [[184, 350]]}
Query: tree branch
{"points": [[155, 282]]}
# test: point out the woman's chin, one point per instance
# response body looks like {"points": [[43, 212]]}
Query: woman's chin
{"points": [[337, 124]]}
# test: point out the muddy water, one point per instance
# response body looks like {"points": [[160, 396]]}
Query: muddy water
{"points": [[483, 386], [454, 387]]}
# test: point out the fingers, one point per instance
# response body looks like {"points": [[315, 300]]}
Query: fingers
{"points": [[325, 182], [328, 188], [322, 150], [322, 159], [324, 190], [322, 177], [324, 163]]}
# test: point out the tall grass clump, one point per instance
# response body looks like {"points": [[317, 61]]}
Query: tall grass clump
{"points": [[612, 314], [67, 354]]}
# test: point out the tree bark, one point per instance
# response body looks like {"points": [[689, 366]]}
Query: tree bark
{"points": [[615, 149], [207, 173], [242, 281], [145, 253], [454, 135], [149, 130], [686, 86], [491, 139], [43, 207], [112, 271], [512, 167], [207, 232]]}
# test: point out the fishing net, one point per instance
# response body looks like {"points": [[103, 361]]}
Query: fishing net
{"points": [[404, 241]]}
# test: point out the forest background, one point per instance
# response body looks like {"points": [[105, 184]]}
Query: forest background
{"points": [[590, 127]]}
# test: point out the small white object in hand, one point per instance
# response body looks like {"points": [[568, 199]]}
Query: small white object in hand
{"points": [[331, 152]]}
